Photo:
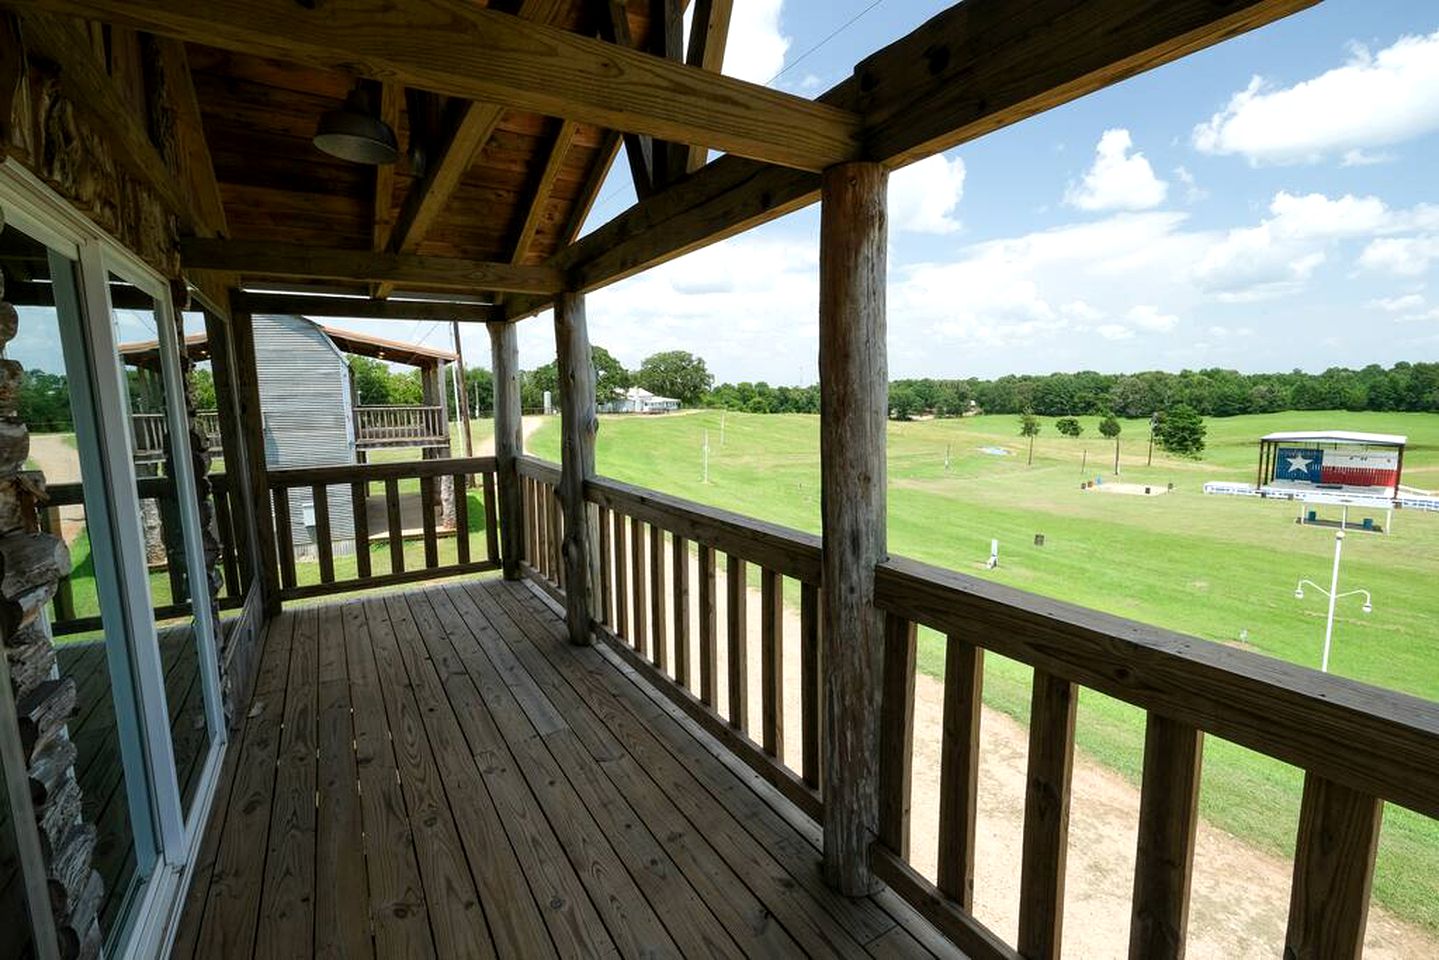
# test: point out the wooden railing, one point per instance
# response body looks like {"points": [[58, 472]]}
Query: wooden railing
{"points": [[350, 483], [66, 614], [1360, 746], [407, 425], [151, 429], [659, 589]]}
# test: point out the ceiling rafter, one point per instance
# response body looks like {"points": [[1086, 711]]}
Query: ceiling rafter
{"points": [[534, 213], [709, 34], [614, 27]]}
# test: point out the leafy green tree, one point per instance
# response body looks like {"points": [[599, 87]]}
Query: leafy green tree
{"points": [[610, 375], [203, 382], [1181, 431], [1029, 427], [675, 373], [1069, 426], [1109, 427], [44, 402], [480, 387], [372, 381], [904, 402]]}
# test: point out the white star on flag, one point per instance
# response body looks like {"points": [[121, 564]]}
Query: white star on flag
{"points": [[1299, 464]]}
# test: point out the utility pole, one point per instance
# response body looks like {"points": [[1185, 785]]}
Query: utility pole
{"points": [[462, 399], [1149, 461]]}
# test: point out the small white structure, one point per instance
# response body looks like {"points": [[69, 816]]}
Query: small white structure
{"points": [[640, 400]]}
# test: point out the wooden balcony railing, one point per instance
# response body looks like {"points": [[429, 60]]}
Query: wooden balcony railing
{"points": [[350, 483], [1360, 746], [71, 615], [398, 426], [151, 429]]}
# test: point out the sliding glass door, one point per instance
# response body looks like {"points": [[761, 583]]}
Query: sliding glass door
{"points": [[132, 625]]}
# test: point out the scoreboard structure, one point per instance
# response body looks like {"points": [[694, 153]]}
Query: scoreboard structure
{"points": [[1335, 463]]}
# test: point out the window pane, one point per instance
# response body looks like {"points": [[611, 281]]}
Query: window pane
{"points": [[90, 651], [158, 457]]}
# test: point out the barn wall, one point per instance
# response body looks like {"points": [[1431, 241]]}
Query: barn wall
{"points": [[304, 397]]}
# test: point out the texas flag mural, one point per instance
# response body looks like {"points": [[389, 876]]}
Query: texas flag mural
{"points": [[1315, 466]]}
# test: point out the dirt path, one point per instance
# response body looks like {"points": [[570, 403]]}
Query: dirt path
{"points": [[60, 462], [528, 426], [1239, 901]]}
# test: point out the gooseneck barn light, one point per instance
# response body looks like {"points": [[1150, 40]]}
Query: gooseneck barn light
{"points": [[356, 133]]}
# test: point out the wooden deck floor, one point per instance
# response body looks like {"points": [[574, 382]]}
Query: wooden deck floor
{"points": [[437, 773]]}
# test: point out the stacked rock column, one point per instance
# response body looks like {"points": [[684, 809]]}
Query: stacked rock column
{"points": [[31, 566]]}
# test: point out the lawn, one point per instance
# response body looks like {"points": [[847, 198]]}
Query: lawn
{"points": [[1221, 568]]}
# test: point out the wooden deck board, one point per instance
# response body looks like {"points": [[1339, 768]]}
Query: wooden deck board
{"points": [[478, 787]]}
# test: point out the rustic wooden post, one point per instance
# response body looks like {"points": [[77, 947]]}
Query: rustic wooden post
{"points": [[252, 430], [578, 423], [509, 444], [854, 402]]}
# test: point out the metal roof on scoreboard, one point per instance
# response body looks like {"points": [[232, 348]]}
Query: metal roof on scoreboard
{"points": [[1338, 436]]}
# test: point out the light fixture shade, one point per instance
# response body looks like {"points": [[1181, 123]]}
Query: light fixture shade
{"points": [[354, 133]]}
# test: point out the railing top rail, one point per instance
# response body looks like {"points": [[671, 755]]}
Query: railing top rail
{"points": [[537, 469], [1375, 740], [793, 553], [361, 472], [396, 406]]}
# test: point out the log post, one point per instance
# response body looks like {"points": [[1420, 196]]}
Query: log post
{"points": [[578, 424], [509, 444], [252, 430], [854, 406], [55, 848]]}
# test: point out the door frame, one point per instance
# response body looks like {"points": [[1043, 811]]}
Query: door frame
{"points": [[142, 715]]}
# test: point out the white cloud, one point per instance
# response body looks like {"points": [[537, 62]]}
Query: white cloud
{"points": [[1146, 316], [1193, 193], [923, 195], [1403, 256], [1280, 254], [1408, 301], [756, 46], [1374, 100], [1119, 179]]}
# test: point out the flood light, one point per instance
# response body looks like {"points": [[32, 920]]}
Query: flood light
{"points": [[356, 133]]}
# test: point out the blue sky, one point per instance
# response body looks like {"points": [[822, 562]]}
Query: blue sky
{"points": [[1266, 204]]}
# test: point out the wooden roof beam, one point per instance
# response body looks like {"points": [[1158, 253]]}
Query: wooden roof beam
{"points": [[197, 166], [366, 308], [975, 68], [456, 48], [257, 258], [614, 27], [709, 33], [546, 185], [84, 79]]}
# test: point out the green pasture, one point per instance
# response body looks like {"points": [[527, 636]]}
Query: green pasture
{"points": [[1220, 568]]}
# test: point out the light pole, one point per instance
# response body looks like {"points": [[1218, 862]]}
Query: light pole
{"points": [[1333, 594]]}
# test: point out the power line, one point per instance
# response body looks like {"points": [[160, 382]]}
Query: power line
{"points": [[783, 70]]}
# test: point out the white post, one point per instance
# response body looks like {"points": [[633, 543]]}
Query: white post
{"points": [[722, 419], [705, 457], [1333, 595]]}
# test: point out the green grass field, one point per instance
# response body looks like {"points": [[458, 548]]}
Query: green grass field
{"points": [[1221, 568]]}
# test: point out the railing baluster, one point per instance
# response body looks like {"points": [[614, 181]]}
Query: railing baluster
{"points": [[64, 591], [320, 500], [605, 608], [1333, 871], [557, 536], [621, 559], [771, 627], [737, 630], [492, 517], [959, 769], [225, 529], [657, 596], [532, 523], [393, 524], [810, 684], [360, 513], [542, 530], [709, 647], [427, 522], [637, 584], [284, 538], [680, 607], [1168, 815], [896, 733], [1046, 816], [462, 522]]}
